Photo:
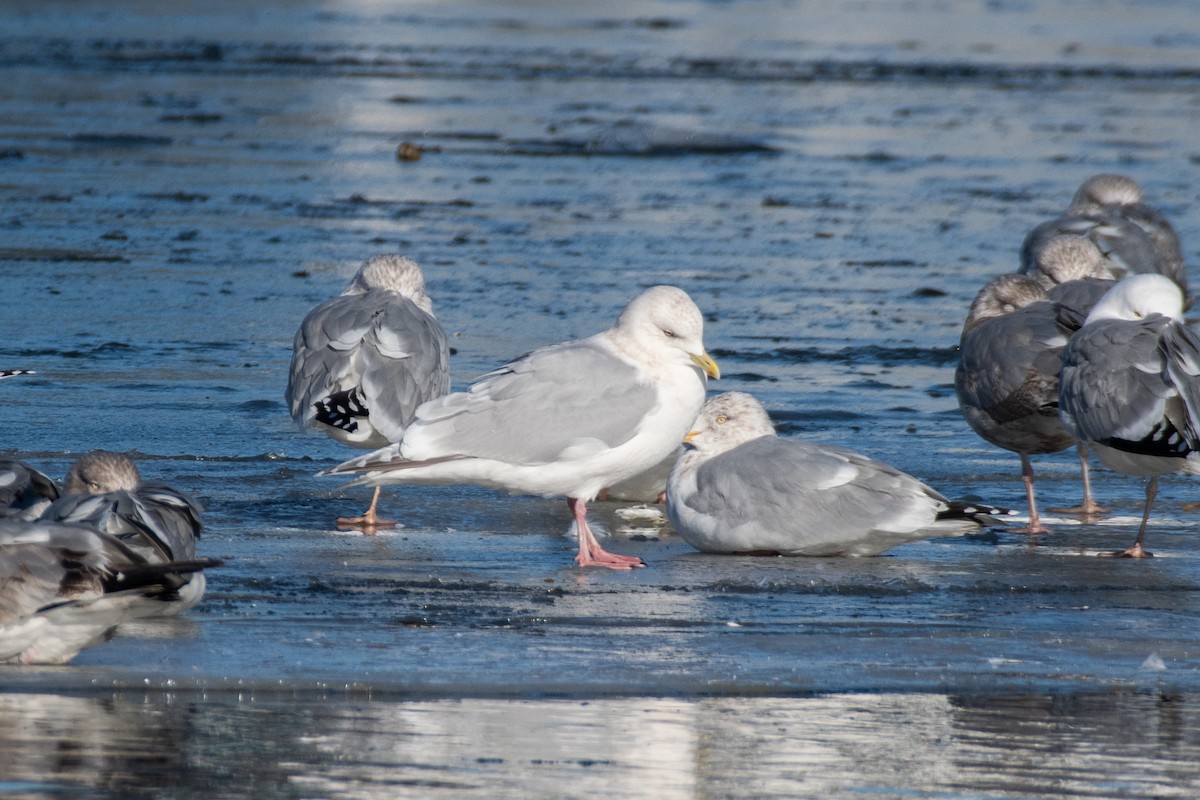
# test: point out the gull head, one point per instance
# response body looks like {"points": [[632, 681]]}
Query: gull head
{"points": [[1003, 295], [1139, 296], [1069, 257], [665, 324], [395, 273], [1105, 189], [726, 421], [100, 472]]}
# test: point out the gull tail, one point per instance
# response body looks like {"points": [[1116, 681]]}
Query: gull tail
{"points": [[983, 515], [342, 410]]}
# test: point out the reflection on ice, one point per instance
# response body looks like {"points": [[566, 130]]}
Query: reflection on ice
{"points": [[1105, 745]]}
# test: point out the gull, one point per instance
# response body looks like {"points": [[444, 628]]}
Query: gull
{"points": [[364, 361], [64, 587], [24, 491], [740, 488], [1130, 385], [11, 373], [565, 420], [1010, 353], [104, 491], [1108, 209]]}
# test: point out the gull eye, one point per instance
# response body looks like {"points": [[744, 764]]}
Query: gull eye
{"points": [[670, 334], [93, 485], [722, 419]]}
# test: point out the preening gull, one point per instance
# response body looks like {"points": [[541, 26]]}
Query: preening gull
{"points": [[1108, 209], [1130, 385], [740, 488], [64, 587], [565, 420], [1010, 353], [104, 491], [362, 362]]}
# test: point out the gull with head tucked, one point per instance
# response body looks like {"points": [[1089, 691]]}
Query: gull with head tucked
{"points": [[364, 361], [1130, 385], [565, 420], [739, 488]]}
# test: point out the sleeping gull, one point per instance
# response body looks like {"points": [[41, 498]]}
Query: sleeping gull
{"points": [[1130, 385], [362, 362], [1010, 353], [104, 491], [570, 419], [740, 488], [1108, 209], [64, 587]]}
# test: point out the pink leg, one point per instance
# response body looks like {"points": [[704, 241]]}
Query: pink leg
{"points": [[1035, 521], [1089, 507], [591, 554], [369, 521], [1136, 550]]}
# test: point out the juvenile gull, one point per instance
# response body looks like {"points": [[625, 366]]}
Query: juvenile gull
{"points": [[569, 419], [1010, 353], [104, 491], [64, 587], [1130, 385], [362, 362], [1007, 377], [1108, 210], [740, 488]]}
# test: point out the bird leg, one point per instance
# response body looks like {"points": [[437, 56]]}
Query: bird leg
{"points": [[1089, 507], [369, 521], [591, 554], [1136, 550], [1035, 522]]}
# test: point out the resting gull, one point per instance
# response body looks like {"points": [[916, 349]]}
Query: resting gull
{"points": [[362, 362], [570, 419], [740, 488], [1108, 209], [104, 491], [1130, 385], [64, 587], [1010, 353]]}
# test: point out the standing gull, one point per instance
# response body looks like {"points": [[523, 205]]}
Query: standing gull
{"points": [[569, 419], [105, 491], [740, 488], [362, 362], [1007, 377], [1131, 385]]}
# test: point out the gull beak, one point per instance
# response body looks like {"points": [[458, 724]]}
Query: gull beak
{"points": [[704, 362], [687, 440]]}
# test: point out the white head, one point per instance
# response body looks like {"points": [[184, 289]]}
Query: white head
{"points": [[1068, 257], [100, 472], [1139, 296], [726, 421], [1105, 189], [393, 272], [664, 323]]}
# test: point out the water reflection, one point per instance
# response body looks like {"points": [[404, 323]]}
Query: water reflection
{"points": [[1125, 745]]}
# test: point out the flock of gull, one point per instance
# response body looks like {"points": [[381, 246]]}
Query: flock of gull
{"points": [[1085, 345]]}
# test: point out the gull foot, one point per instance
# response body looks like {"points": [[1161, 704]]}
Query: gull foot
{"points": [[367, 523], [1137, 551]]}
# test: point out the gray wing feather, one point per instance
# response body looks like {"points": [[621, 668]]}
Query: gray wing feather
{"points": [[784, 485], [380, 341], [1008, 366], [1114, 382], [156, 521], [533, 409]]}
